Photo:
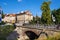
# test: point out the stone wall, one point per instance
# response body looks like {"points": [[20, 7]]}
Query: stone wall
{"points": [[20, 33]]}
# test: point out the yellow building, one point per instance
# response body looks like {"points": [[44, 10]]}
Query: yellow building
{"points": [[24, 17], [10, 18]]}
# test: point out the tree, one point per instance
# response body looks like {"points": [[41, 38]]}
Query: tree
{"points": [[56, 14], [2, 14], [2, 23], [38, 19], [46, 16], [33, 21]]}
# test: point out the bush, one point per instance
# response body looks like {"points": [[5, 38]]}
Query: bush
{"points": [[5, 31], [2, 23], [2, 38]]}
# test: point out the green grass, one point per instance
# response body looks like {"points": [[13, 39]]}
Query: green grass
{"points": [[57, 37]]}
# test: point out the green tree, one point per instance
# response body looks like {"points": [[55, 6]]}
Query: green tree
{"points": [[2, 23], [1, 11], [38, 19], [46, 15], [56, 14], [2, 14], [33, 21]]}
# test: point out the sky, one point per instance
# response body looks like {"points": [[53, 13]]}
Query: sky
{"points": [[34, 6]]}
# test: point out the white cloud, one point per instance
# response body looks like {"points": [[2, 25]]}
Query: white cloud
{"points": [[5, 3], [19, 0]]}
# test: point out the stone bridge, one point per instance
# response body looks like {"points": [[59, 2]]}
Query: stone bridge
{"points": [[32, 33]]}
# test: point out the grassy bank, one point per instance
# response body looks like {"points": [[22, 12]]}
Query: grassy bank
{"points": [[57, 37]]}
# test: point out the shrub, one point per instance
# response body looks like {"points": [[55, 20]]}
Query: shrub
{"points": [[5, 31]]}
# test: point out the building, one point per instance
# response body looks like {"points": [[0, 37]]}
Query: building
{"points": [[10, 18], [24, 17]]}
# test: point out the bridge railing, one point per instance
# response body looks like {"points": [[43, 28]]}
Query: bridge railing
{"points": [[41, 26]]}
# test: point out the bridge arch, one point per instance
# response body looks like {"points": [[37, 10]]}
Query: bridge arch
{"points": [[31, 35], [44, 33]]}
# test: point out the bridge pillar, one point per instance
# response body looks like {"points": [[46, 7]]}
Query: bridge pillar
{"points": [[22, 34]]}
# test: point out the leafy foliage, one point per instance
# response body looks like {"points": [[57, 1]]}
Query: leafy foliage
{"points": [[5, 31], [35, 20], [56, 14], [2, 14], [2, 23], [46, 16]]}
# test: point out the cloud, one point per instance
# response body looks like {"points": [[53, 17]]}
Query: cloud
{"points": [[5, 3], [19, 0]]}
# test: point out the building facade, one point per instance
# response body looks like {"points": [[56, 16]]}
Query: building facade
{"points": [[24, 17], [10, 18]]}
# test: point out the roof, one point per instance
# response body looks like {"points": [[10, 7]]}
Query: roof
{"points": [[10, 15], [26, 12]]}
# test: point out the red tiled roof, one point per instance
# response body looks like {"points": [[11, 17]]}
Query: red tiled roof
{"points": [[10, 15], [26, 12]]}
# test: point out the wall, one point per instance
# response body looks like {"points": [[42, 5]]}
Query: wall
{"points": [[9, 19], [24, 18]]}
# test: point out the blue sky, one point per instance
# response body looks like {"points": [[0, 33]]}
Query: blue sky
{"points": [[15, 6]]}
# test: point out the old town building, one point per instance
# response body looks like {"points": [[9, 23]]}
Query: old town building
{"points": [[10, 18], [24, 17]]}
